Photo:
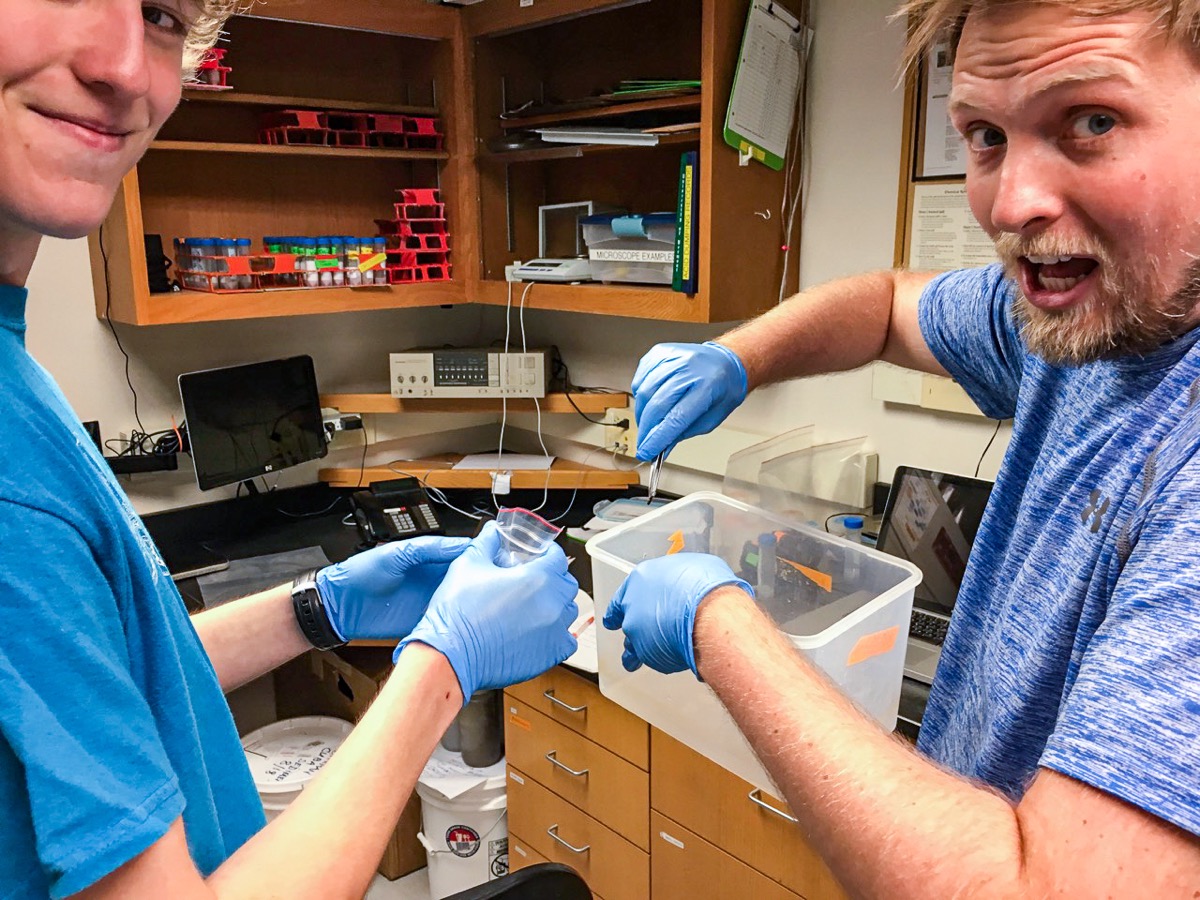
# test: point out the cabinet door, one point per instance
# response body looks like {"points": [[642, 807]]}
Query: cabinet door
{"points": [[728, 812], [612, 867], [583, 773], [685, 867], [575, 702]]}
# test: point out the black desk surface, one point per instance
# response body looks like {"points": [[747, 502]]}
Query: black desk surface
{"points": [[278, 521]]}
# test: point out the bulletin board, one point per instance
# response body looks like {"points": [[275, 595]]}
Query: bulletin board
{"points": [[935, 229], [934, 226]]}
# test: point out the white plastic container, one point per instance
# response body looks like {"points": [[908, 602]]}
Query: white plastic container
{"points": [[637, 249], [464, 823], [285, 756], [845, 606]]}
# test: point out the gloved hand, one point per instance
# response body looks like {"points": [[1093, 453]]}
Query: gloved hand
{"points": [[383, 592], [657, 604], [682, 390], [499, 626]]}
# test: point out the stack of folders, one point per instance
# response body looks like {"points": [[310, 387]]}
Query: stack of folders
{"points": [[687, 251]]}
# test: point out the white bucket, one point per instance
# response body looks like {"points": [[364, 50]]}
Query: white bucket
{"points": [[464, 823], [284, 756]]}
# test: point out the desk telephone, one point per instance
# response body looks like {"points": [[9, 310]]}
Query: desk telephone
{"points": [[394, 510]]}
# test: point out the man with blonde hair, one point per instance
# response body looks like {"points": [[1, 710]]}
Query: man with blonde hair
{"points": [[121, 773], [1060, 752]]}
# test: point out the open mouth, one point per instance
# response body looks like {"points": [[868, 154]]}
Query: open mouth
{"points": [[1054, 282]]}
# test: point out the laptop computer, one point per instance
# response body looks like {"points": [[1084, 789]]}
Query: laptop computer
{"points": [[931, 519]]}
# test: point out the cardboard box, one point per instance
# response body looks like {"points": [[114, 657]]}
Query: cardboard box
{"points": [[344, 683]]}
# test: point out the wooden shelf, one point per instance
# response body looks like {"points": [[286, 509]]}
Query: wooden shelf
{"points": [[239, 98], [438, 472], [635, 301], [297, 150], [551, 403], [200, 306], [606, 111], [575, 151]]}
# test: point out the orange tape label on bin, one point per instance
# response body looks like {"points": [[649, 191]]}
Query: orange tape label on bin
{"points": [[871, 645], [677, 543], [371, 262]]}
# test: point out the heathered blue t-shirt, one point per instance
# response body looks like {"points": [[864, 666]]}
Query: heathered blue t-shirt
{"points": [[1075, 642], [112, 722]]}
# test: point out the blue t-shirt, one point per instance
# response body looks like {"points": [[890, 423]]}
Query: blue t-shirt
{"points": [[1075, 642], [112, 722]]}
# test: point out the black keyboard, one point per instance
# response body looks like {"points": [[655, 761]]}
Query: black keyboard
{"points": [[928, 628]]}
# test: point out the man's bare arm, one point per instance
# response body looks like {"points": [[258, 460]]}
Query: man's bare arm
{"points": [[837, 327], [892, 825]]}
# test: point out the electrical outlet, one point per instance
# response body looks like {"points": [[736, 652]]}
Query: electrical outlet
{"points": [[623, 436]]}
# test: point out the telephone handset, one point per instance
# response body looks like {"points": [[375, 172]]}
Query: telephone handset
{"points": [[394, 510]]}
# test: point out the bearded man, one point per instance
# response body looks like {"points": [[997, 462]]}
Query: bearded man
{"points": [[1059, 752]]}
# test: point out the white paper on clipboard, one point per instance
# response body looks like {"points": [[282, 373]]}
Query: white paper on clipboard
{"points": [[763, 103]]}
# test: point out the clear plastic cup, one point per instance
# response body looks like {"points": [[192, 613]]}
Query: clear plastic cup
{"points": [[526, 536]]}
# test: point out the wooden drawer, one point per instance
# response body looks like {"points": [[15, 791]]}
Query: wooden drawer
{"points": [[575, 702], [716, 805], [520, 854], [687, 867], [583, 773], [611, 865]]}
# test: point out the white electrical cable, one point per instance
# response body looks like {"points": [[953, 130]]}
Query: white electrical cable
{"points": [[788, 210]]}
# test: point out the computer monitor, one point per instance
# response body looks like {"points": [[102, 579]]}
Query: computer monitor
{"points": [[931, 520], [247, 421]]}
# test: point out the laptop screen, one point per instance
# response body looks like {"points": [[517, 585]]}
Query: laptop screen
{"points": [[931, 519]]}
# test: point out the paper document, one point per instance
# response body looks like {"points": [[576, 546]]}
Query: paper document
{"points": [[943, 153], [584, 628], [504, 461], [943, 233]]}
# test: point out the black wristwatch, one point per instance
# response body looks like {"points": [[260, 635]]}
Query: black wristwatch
{"points": [[311, 614]]}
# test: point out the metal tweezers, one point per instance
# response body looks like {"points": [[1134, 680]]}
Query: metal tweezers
{"points": [[655, 471]]}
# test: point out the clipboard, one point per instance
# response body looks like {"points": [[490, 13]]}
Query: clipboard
{"points": [[762, 104]]}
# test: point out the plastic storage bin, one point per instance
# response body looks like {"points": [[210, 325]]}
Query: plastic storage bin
{"points": [[845, 606], [637, 249]]}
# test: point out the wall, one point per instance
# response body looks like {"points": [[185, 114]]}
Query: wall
{"points": [[848, 226]]}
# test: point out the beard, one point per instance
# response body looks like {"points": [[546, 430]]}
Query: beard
{"points": [[1129, 313]]}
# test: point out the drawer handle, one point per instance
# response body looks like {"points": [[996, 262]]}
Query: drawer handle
{"points": [[566, 768], [756, 798], [553, 832], [549, 695]]}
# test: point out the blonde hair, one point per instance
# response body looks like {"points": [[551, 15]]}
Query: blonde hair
{"points": [[206, 29], [933, 21]]}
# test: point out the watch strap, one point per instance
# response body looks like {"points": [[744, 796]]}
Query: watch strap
{"points": [[311, 614]]}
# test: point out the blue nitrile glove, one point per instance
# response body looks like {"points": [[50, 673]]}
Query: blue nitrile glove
{"points": [[500, 626], [383, 592], [656, 607], [682, 390]]}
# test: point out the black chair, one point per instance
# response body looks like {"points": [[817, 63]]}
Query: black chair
{"points": [[543, 881]]}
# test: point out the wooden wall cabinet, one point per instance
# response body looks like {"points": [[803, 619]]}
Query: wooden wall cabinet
{"points": [[206, 175]]}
